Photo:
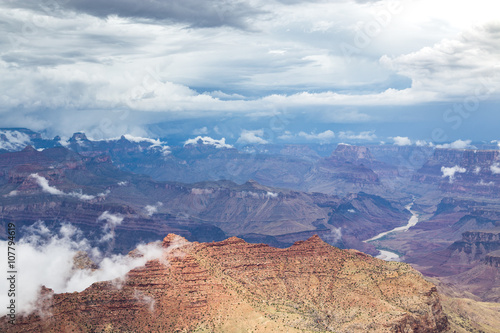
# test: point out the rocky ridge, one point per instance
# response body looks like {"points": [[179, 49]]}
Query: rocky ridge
{"points": [[233, 286], [493, 259]]}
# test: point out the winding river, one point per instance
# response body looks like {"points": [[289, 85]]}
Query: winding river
{"points": [[388, 255]]}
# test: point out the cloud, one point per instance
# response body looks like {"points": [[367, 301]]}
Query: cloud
{"points": [[495, 169], [463, 67], [496, 141], [324, 137], [13, 140], [155, 143], [44, 184], [145, 299], [123, 66], [206, 140], [272, 194], [334, 236], [328, 136], [287, 135], [483, 183], [365, 136], [260, 195], [86, 197], [251, 137], [191, 12], [401, 141], [406, 141], [112, 220], [200, 131], [201, 191], [458, 144], [139, 139], [423, 143], [223, 96], [152, 209], [45, 257], [450, 172]]}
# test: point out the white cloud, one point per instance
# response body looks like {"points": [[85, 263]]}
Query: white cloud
{"points": [[112, 220], [154, 143], [44, 184], [251, 137], [84, 197], [85, 74], [495, 169], [45, 258], [13, 140], [459, 67], [104, 194], [423, 143], [138, 139], [458, 144], [483, 183], [201, 191], [64, 142], [365, 136], [280, 52], [401, 141], [450, 172], [222, 95], [12, 193], [206, 140], [287, 135], [152, 209], [259, 195], [324, 137], [201, 131]]}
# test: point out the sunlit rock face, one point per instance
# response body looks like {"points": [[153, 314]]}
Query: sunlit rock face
{"points": [[232, 285]]}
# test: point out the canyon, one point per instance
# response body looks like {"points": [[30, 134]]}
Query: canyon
{"points": [[80, 189], [433, 208]]}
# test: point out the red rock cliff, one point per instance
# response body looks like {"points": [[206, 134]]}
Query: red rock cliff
{"points": [[232, 286]]}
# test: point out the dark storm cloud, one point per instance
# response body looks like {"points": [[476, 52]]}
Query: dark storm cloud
{"points": [[195, 13]]}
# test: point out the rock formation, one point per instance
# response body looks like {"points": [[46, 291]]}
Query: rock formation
{"points": [[493, 259], [232, 286], [476, 172]]}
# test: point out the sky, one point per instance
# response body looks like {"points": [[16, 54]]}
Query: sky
{"points": [[253, 71]]}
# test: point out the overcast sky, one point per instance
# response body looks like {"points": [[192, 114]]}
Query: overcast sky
{"points": [[274, 70]]}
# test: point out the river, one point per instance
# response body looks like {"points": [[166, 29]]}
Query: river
{"points": [[388, 255]]}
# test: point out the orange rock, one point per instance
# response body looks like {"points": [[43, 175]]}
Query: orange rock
{"points": [[232, 286]]}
